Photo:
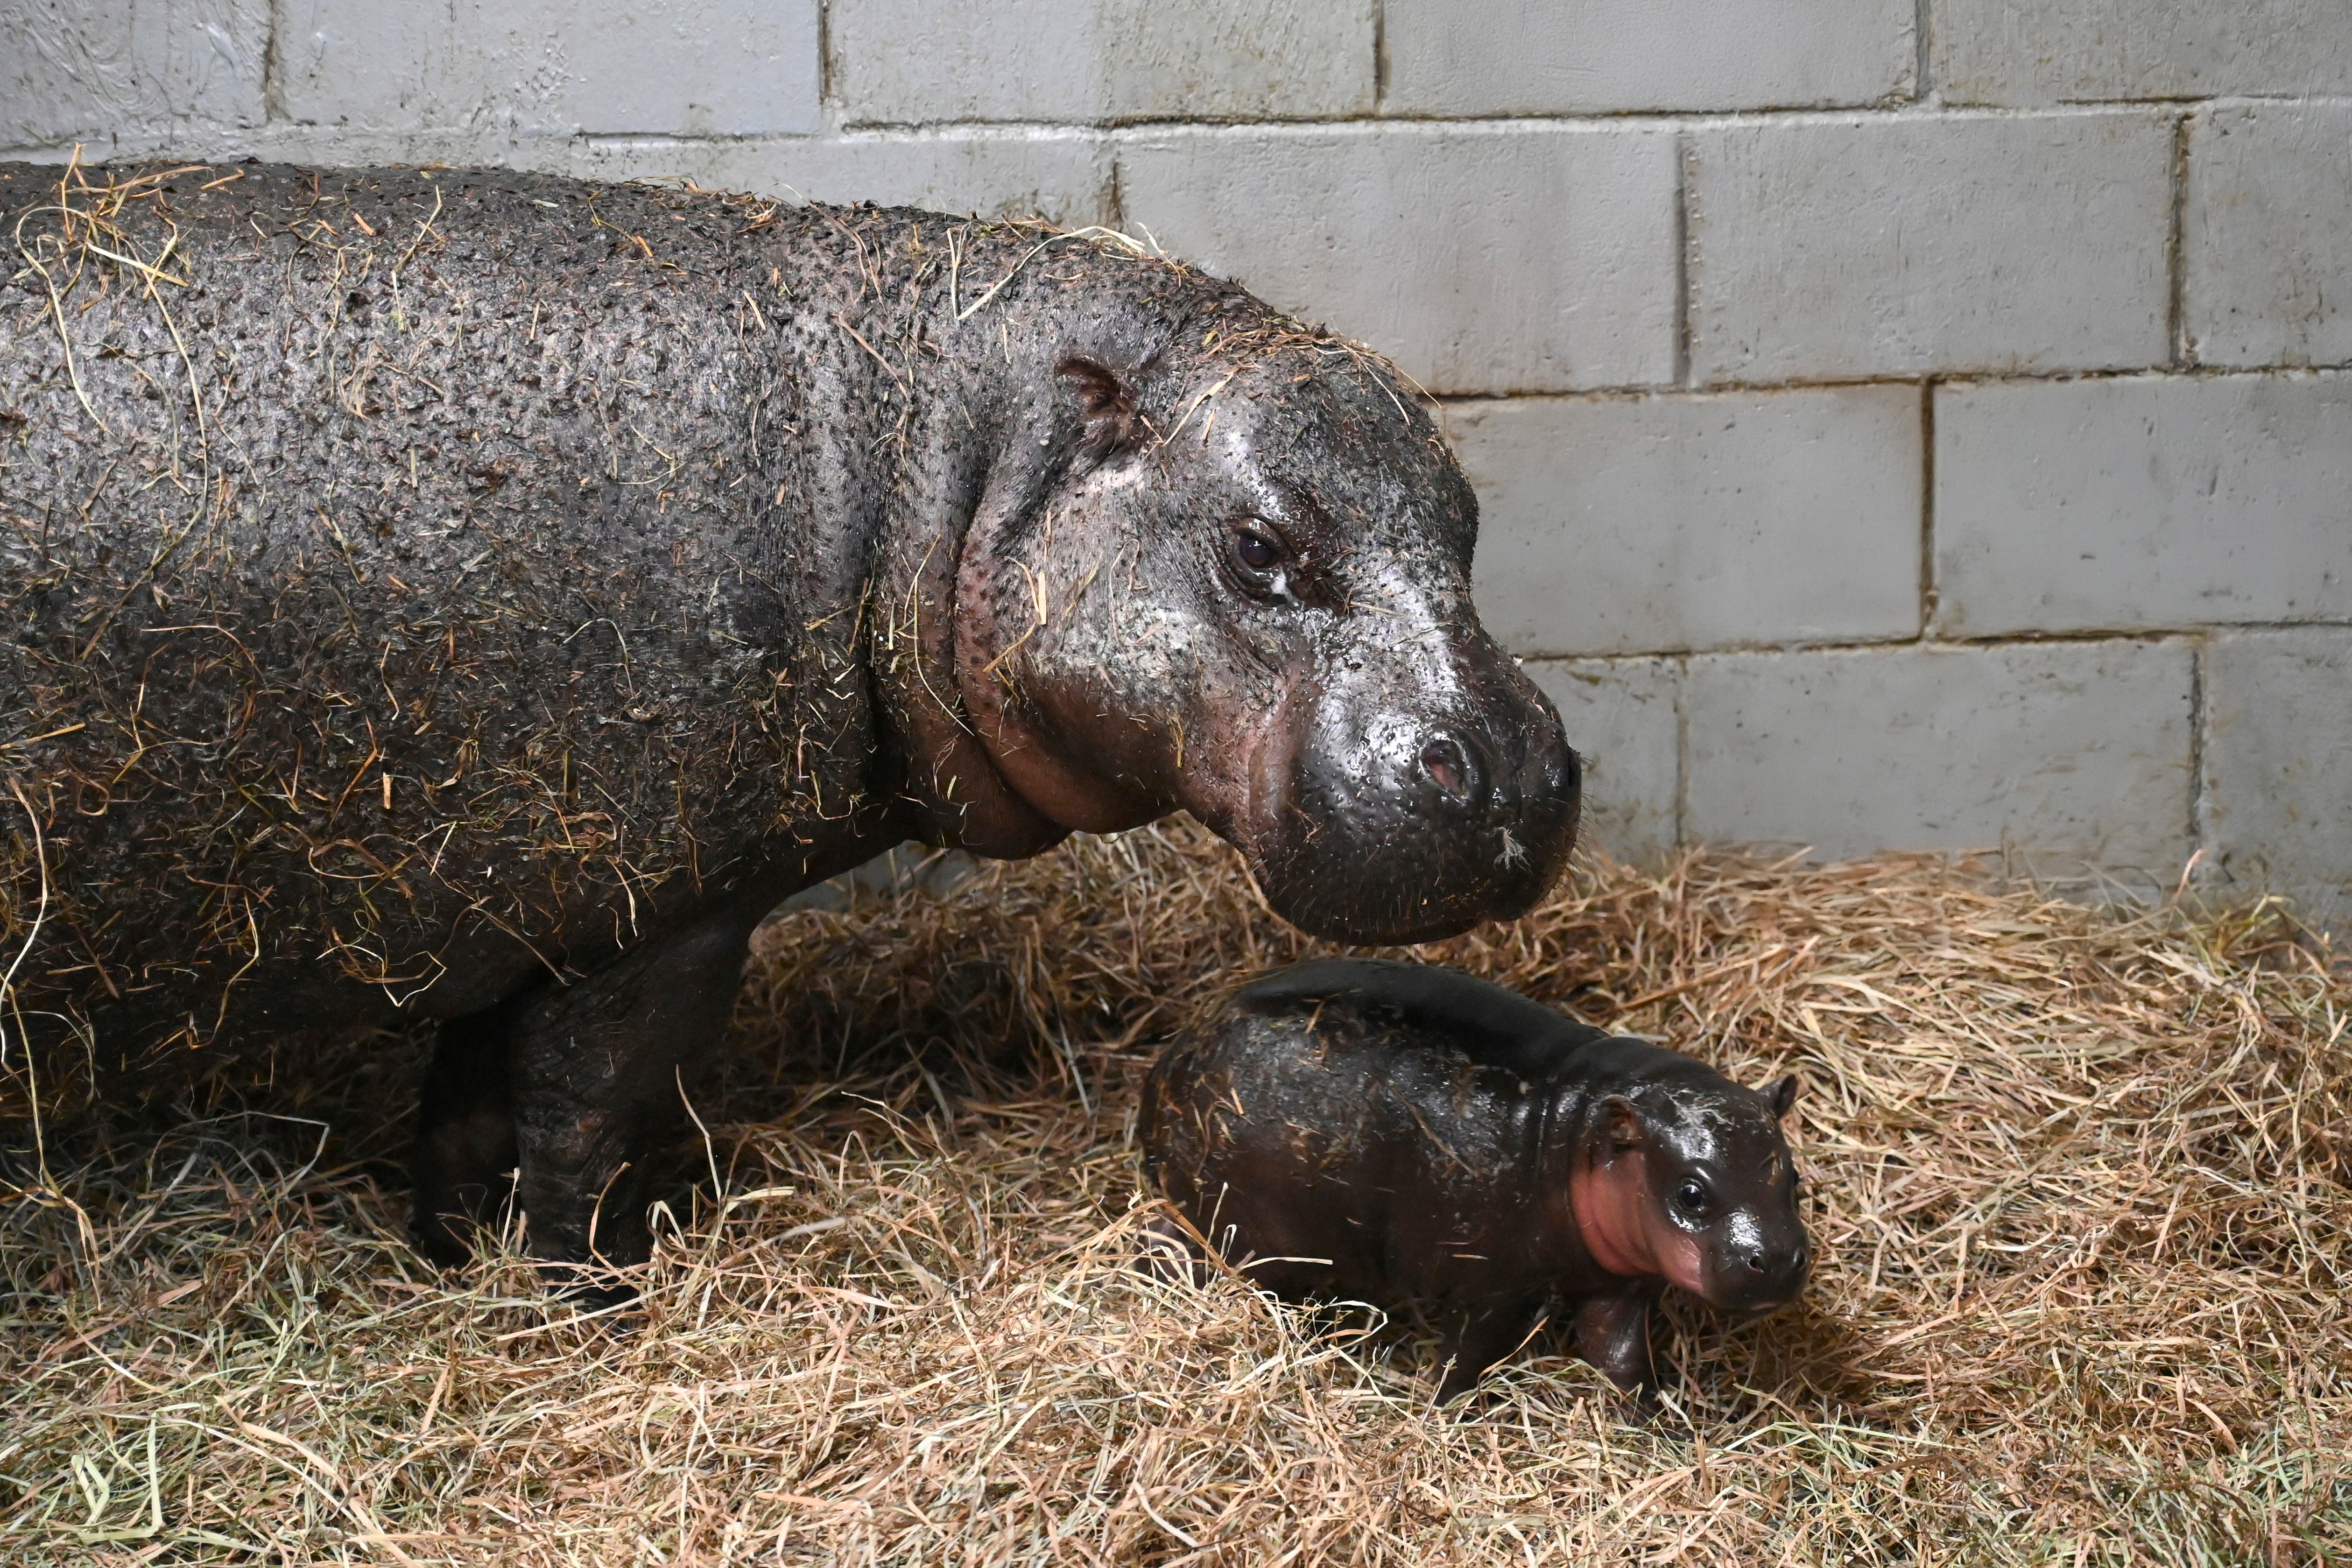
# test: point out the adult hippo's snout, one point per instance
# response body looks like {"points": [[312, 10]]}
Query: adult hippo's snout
{"points": [[1401, 823]]}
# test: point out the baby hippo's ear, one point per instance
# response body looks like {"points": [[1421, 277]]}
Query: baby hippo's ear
{"points": [[1624, 1123], [1107, 406], [1782, 1094]]}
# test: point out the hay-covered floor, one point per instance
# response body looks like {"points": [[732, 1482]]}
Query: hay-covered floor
{"points": [[2080, 1186]]}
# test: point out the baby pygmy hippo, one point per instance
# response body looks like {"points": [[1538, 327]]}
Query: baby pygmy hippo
{"points": [[1411, 1136]]}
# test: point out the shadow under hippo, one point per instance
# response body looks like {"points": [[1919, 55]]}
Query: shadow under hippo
{"points": [[479, 598]]}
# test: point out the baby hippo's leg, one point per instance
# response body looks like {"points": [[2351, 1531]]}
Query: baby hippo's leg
{"points": [[1481, 1337], [1613, 1333]]}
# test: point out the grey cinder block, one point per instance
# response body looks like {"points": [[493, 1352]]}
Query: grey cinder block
{"points": [[2145, 502], [1877, 245], [696, 67], [1061, 175], [1616, 525], [2267, 234], [921, 61], [1622, 717], [2058, 51], [1499, 257], [2073, 753], [2278, 764], [100, 73], [1604, 56]]}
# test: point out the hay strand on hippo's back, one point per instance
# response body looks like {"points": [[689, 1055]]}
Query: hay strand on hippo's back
{"points": [[2079, 1192]]}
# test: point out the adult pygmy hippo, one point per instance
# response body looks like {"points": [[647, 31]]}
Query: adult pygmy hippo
{"points": [[480, 597], [1409, 1136]]}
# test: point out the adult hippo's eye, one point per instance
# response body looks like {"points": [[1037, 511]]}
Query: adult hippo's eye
{"points": [[1690, 1197], [1259, 559]]}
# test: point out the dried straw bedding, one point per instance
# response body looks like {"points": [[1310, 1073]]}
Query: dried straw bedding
{"points": [[2078, 1180]]}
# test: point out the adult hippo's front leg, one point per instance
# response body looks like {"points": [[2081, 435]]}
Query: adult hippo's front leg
{"points": [[598, 1074], [556, 1096]]}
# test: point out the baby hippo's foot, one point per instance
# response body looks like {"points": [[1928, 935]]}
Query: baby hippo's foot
{"points": [[1165, 1252]]}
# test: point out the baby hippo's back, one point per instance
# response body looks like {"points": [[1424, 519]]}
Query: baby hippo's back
{"points": [[1373, 1130]]}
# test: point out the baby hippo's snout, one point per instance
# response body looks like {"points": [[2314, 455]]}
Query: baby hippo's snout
{"points": [[1783, 1276], [1767, 1274]]}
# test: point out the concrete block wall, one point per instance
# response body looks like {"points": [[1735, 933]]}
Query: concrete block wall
{"points": [[1915, 423]]}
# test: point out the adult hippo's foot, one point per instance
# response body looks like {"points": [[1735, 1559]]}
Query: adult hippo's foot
{"points": [[554, 1100]]}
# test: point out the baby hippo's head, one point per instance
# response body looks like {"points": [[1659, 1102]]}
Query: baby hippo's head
{"points": [[1691, 1179]]}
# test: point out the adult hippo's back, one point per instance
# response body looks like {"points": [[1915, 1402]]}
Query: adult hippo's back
{"points": [[481, 597]]}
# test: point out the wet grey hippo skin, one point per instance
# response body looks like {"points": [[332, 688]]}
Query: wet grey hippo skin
{"points": [[1414, 1137], [479, 597]]}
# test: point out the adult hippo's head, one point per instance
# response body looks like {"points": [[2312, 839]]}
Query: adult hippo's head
{"points": [[1243, 588]]}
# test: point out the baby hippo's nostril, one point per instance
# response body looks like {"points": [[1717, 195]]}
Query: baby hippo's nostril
{"points": [[1755, 1261], [1447, 760]]}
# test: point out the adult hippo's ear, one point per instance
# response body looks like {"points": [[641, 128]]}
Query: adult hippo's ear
{"points": [[1112, 414], [1782, 1094]]}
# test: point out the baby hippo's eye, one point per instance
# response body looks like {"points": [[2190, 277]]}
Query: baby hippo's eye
{"points": [[1690, 1197]]}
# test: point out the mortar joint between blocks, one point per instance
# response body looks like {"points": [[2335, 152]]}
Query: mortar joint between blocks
{"points": [[1927, 590], [1923, 40], [826, 76], [273, 86], [2176, 252], [1682, 752], [2197, 827], [1683, 153]]}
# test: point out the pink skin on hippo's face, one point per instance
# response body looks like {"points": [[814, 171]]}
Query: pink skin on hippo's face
{"points": [[1702, 1194]]}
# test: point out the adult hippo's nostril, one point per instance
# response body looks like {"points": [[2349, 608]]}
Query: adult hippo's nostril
{"points": [[1452, 764]]}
